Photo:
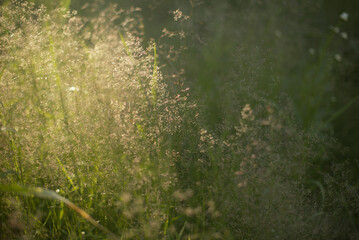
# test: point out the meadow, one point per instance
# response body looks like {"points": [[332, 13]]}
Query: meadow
{"points": [[178, 120]]}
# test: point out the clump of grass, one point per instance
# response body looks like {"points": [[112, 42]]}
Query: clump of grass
{"points": [[43, 193], [88, 112]]}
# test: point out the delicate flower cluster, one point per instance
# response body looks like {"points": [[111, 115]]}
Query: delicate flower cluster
{"points": [[178, 15]]}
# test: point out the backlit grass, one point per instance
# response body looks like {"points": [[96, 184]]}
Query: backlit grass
{"points": [[101, 138]]}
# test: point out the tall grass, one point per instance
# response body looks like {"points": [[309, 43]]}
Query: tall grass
{"points": [[92, 117]]}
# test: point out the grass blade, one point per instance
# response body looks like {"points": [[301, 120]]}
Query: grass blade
{"points": [[154, 77], [125, 45], [343, 109]]}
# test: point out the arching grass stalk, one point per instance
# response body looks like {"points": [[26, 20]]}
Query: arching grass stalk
{"points": [[48, 194], [343, 109], [57, 75], [125, 45], [154, 77], [128, 52], [66, 174]]}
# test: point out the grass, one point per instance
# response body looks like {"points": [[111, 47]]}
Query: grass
{"points": [[93, 120], [46, 194]]}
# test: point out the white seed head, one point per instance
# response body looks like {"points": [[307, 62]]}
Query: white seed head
{"points": [[344, 35], [311, 51], [344, 16], [74, 89], [338, 57]]}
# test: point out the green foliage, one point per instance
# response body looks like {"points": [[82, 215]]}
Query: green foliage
{"points": [[94, 120]]}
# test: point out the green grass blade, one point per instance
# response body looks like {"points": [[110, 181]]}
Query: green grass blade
{"points": [[66, 4], [125, 45], [2, 73], [66, 174], [343, 109], [181, 231]]}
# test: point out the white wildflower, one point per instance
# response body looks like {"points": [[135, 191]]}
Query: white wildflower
{"points": [[338, 57], [74, 89], [344, 16], [344, 35], [335, 29]]}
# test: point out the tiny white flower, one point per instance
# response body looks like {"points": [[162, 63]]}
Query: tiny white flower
{"points": [[335, 29], [82, 233], [177, 14], [344, 35], [57, 190], [311, 51], [338, 57], [74, 89], [344, 16]]}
